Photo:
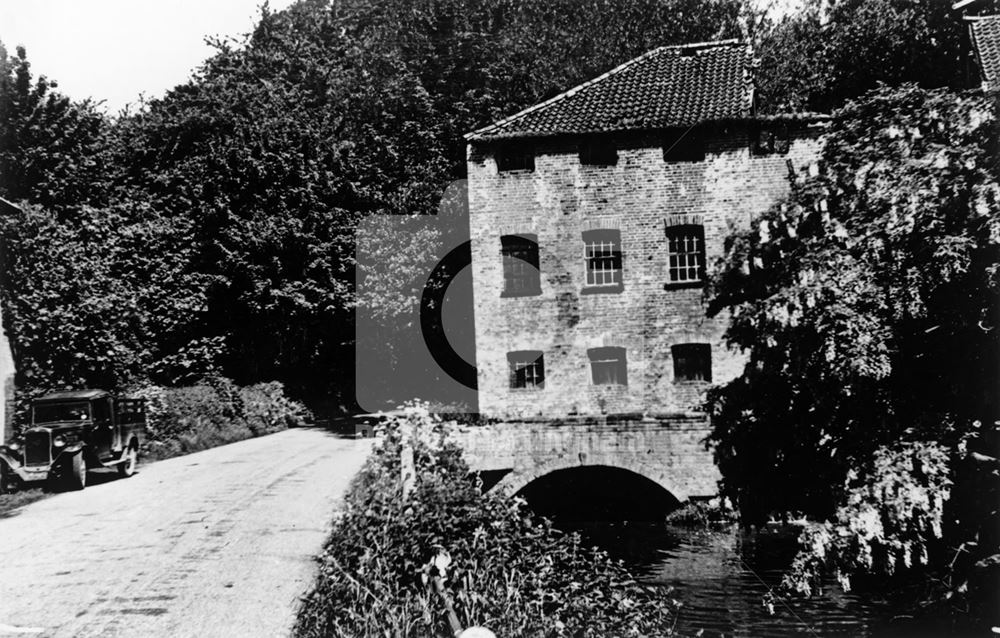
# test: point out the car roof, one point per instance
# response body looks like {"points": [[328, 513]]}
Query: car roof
{"points": [[72, 395]]}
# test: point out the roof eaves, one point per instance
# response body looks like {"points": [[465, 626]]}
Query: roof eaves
{"points": [[805, 117]]}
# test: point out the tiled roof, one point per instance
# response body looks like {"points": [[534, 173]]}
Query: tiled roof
{"points": [[667, 87], [986, 41]]}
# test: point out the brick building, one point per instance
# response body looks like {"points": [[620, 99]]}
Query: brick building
{"points": [[593, 218]]}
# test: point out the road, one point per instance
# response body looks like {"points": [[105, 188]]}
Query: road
{"points": [[217, 543]]}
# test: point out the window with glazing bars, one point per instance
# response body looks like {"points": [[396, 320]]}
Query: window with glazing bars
{"points": [[692, 362], [608, 366], [520, 265], [686, 254], [603, 257], [527, 369]]}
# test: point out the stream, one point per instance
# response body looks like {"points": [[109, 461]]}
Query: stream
{"points": [[721, 578]]}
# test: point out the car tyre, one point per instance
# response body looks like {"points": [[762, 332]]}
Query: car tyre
{"points": [[76, 472], [9, 481], [127, 467]]}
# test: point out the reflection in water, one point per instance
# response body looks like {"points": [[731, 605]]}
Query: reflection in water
{"points": [[722, 578]]}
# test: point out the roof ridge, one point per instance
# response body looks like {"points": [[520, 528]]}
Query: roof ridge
{"points": [[576, 89], [701, 45]]}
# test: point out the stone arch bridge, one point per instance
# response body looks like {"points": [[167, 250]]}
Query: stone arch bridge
{"points": [[669, 451]]}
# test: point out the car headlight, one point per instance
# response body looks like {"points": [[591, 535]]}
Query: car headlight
{"points": [[59, 441], [15, 445]]}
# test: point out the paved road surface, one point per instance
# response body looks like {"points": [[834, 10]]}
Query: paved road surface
{"points": [[217, 543]]}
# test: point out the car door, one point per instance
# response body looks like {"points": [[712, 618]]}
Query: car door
{"points": [[103, 439]]}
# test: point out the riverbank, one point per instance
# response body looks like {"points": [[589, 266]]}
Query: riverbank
{"points": [[421, 550]]}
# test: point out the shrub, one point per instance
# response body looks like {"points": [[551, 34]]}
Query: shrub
{"points": [[211, 413], [714, 514], [267, 409], [510, 571]]}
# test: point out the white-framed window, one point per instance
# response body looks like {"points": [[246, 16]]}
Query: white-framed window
{"points": [[608, 366], [527, 369], [685, 255], [602, 256]]}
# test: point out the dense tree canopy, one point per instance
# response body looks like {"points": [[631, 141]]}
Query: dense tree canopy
{"points": [[867, 305], [825, 53], [50, 146]]}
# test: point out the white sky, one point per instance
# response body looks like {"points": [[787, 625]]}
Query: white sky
{"points": [[114, 50]]}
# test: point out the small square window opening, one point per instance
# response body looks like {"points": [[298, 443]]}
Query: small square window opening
{"points": [[608, 366], [692, 362], [598, 152], [527, 369], [515, 158]]}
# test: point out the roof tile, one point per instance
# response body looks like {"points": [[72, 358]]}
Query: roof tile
{"points": [[986, 40], [666, 87]]}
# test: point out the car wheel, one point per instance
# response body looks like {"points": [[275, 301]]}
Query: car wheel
{"points": [[127, 467], [9, 482], [76, 472]]}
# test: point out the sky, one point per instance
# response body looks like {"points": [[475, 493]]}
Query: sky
{"points": [[115, 50]]}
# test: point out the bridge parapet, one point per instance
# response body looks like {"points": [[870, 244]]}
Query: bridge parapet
{"points": [[667, 450]]}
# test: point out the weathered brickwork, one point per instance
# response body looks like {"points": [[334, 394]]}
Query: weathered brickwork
{"points": [[642, 194], [669, 452]]}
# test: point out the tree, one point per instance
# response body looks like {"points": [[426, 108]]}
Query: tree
{"points": [[49, 145], [826, 53], [867, 304]]}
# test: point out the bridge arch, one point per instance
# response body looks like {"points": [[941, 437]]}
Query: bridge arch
{"points": [[521, 477]]}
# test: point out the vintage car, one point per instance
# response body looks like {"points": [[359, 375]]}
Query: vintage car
{"points": [[71, 432]]}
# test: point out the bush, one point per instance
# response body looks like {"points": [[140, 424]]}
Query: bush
{"points": [[212, 413], [714, 514], [510, 571]]}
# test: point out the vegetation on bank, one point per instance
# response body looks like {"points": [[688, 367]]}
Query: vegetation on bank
{"points": [[510, 571], [867, 302], [713, 514]]}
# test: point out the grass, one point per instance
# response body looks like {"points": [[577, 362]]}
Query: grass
{"points": [[11, 503]]}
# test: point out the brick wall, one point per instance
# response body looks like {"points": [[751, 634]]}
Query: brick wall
{"points": [[560, 200]]}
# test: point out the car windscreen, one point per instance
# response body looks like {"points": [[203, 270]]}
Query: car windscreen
{"points": [[52, 412]]}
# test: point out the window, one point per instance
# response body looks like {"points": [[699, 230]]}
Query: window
{"points": [[769, 141], [515, 158], [102, 410], [520, 265], [527, 369], [692, 362], [598, 152], [607, 366], [683, 145], [685, 255], [602, 260]]}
